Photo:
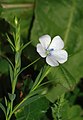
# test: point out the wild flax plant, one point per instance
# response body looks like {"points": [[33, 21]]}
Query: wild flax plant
{"points": [[51, 50], [17, 48]]}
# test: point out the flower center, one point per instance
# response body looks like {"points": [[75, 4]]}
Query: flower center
{"points": [[48, 51]]}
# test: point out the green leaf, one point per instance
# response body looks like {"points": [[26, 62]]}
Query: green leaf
{"points": [[9, 40], [68, 78], [11, 73], [23, 9], [55, 92], [34, 111], [63, 81], [3, 108], [74, 112], [62, 18]]}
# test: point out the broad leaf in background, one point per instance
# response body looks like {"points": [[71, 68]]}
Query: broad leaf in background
{"points": [[34, 111], [23, 9], [64, 18]]}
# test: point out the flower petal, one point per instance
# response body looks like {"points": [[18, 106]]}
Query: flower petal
{"points": [[51, 60], [45, 41], [57, 43], [41, 50], [60, 55]]}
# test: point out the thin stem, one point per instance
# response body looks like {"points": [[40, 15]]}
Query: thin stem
{"points": [[11, 105], [24, 46], [28, 66], [10, 6], [36, 85]]}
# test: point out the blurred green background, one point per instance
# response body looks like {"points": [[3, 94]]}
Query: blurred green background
{"points": [[53, 17]]}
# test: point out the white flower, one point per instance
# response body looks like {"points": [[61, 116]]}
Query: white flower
{"points": [[52, 50]]}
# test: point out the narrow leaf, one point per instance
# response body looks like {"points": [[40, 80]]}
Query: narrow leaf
{"points": [[3, 108]]}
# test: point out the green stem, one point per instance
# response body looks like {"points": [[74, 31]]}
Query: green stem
{"points": [[28, 66], [24, 46], [36, 85], [6, 118], [14, 85], [11, 6]]}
